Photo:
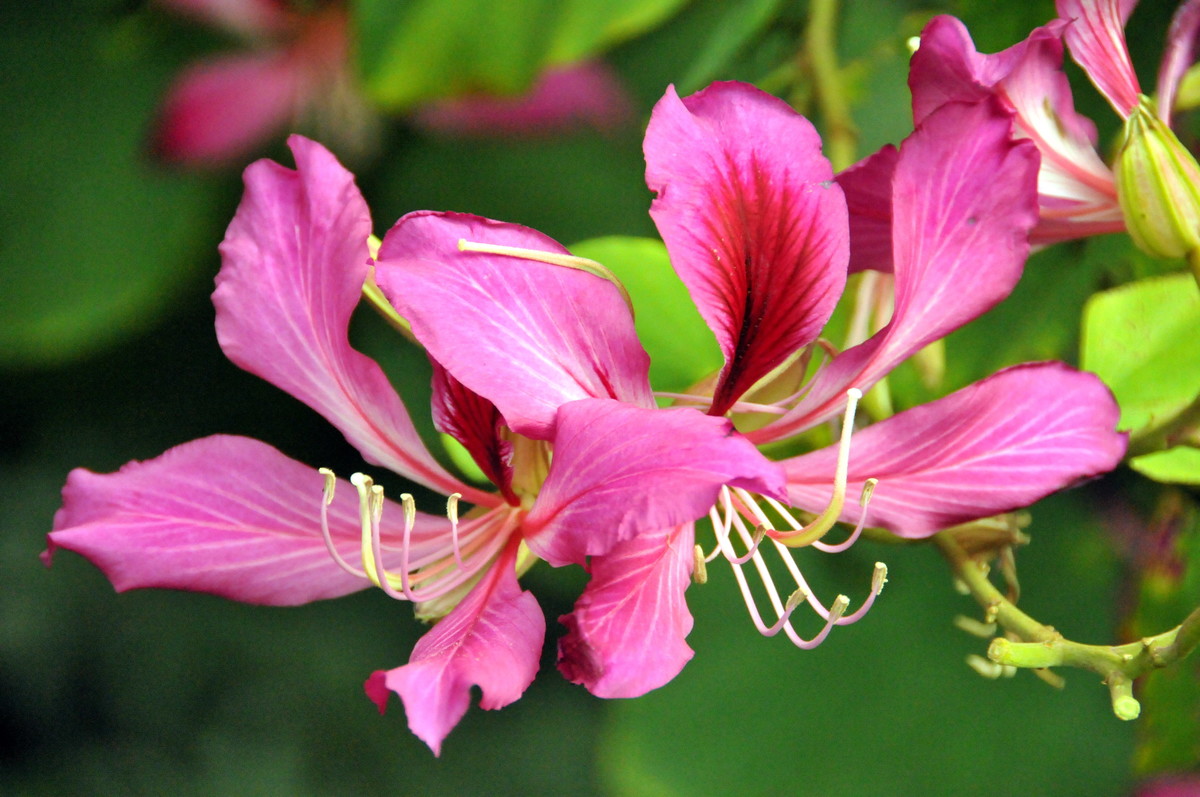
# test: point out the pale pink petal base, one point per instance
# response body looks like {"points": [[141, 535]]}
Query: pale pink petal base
{"points": [[492, 640], [997, 445]]}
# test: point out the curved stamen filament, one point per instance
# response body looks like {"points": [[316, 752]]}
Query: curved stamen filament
{"points": [[439, 570], [737, 503], [551, 258], [825, 521]]}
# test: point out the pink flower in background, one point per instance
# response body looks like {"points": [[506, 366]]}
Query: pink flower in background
{"points": [[234, 517], [587, 94], [1078, 193], [296, 71]]}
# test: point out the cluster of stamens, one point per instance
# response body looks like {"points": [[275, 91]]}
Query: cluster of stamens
{"points": [[740, 516], [427, 570]]}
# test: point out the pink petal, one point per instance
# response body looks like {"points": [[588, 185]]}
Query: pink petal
{"points": [[294, 261], [997, 445], [868, 189], [964, 202], [222, 109], [226, 515], [626, 633], [1183, 40], [1097, 41], [620, 470], [476, 423], [1076, 189], [492, 640], [754, 224], [586, 94], [527, 336]]}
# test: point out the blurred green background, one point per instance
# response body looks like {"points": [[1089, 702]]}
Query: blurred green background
{"points": [[107, 354]]}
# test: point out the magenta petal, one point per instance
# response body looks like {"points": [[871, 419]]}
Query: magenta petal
{"points": [[1076, 190], [225, 515], [294, 261], [997, 445], [620, 470], [1183, 40], [1096, 37], [626, 633], [527, 336], [583, 94], [492, 640], [754, 224], [964, 201], [868, 189], [221, 109]]}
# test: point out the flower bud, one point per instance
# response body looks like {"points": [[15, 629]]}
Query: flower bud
{"points": [[1158, 186]]}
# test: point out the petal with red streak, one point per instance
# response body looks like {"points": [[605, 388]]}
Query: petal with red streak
{"points": [[620, 470], [997, 445], [492, 640], [525, 335], [964, 199], [752, 220], [626, 633]]}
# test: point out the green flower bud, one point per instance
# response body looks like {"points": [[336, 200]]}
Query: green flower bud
{"points": [[1158, 186]]}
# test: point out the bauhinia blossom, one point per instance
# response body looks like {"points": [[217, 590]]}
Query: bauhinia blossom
{"points": [[1080, 195], [581, 459], [538, 374]]}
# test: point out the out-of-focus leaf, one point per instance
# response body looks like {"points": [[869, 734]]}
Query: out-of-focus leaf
{"points": [[741, 22], [1141, 339], [681, 347], [411, 52], [94, 242], [1179, 465]]}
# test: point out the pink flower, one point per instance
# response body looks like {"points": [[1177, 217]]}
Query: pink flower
{"points": [[1078, 194], [297, 72], [234, 517]]}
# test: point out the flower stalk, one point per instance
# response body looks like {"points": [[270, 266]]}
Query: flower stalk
{"points": [[1030, 644]]}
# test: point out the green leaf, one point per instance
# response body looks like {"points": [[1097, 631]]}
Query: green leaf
{"points": [[1141, 340], [741, 22], [681, 346], [94, 241], [1179, 465], [413, 52]]}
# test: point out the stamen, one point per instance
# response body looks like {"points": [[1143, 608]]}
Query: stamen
{"points": [[864, 499], [551, 258], [452, 513], [699, 567], [825, 521], [326, 501]]}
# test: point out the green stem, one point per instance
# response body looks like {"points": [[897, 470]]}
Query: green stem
{"points": [[1039, 646], [841, 137]]}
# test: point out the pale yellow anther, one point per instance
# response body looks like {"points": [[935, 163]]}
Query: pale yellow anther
{"points": [[795, 599], [330, 484], [840, 604], [699, 567], [550, 258], [452, 506], [867, 491], [879, 577]]}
